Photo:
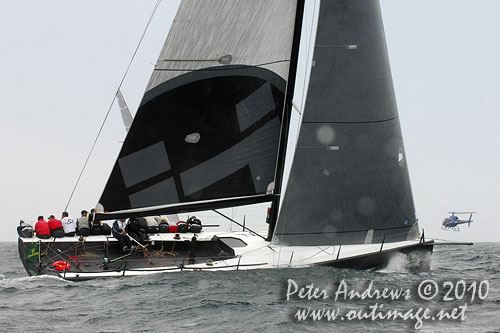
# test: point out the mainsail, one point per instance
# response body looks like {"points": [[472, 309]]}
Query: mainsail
{"points": [[207, 130], [349, 181]]}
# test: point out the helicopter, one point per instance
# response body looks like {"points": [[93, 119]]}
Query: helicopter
{"points": [[453, 221]]}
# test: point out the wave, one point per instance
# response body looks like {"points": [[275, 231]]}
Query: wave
{"points": [[28, 282], [397, 264]]}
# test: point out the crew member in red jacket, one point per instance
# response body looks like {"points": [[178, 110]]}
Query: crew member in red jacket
{"points": [[42, 228], [56, 227]]}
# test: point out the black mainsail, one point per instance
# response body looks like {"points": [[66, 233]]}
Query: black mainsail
{"points": [[207, 132], [349, 181]]}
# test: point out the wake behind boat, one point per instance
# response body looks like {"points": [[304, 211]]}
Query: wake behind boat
{"points": [[212, 132]]}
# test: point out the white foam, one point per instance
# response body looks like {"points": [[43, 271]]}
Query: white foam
{"points": [[397, 264], [30, 279]]}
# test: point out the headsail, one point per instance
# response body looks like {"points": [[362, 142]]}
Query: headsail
{"points": [[207, 129], [349, 180]]}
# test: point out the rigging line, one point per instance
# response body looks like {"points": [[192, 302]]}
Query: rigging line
{"points": [[230, 219], [112, 102], [254, 250]]}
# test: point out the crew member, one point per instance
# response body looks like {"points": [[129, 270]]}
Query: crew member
{"points": [[135, 231], [56, 227], [42, 228], [95, 225], [83, 226], [69, 225], [120, 233]]}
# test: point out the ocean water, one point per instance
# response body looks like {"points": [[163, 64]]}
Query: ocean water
{"points": [[257, 300]]}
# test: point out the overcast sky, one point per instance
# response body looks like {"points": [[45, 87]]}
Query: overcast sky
{"points": [[62, 61]]}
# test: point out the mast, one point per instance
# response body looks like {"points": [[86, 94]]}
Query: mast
{"points": [[285, 122]]}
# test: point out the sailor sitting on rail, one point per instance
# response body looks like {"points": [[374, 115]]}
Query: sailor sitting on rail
{"points": [[135, 230], [83, 225], [42, 228], [56, 227], [120, 233]]}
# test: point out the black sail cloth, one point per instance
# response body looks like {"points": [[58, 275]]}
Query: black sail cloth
{"points": [[349, 181], [208, 127]]}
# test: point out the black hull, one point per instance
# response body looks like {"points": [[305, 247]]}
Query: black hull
{"points": [[104, 255], [97, 256], [418, 258]]}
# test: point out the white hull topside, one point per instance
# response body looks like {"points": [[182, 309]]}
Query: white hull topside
{"points": [[257, 254]]}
